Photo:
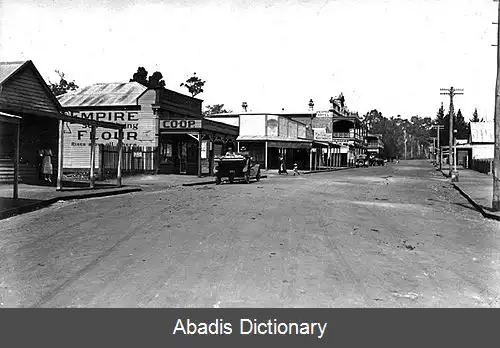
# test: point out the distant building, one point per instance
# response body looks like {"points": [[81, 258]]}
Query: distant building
{"points": [[266, 136], [374, 144], [482, 140]]}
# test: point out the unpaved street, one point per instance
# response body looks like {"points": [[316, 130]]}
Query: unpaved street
{"points": [[392, 236]]}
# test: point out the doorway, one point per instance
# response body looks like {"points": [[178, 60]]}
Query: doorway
{"points": [[182, 157]]}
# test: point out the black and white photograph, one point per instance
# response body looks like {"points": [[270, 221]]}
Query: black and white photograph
{"points": [[250, 154]]}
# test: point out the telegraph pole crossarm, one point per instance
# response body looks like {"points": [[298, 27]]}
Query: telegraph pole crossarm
{"points": [[451, 92]]}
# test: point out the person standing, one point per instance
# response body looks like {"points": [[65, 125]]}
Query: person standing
{"points": [[47, 169], [282, 169]]}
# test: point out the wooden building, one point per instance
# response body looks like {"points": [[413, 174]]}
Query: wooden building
{"points": [[24, 94], [170, 122]]}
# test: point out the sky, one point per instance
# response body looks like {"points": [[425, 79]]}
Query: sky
{"points": [[389, 55]]}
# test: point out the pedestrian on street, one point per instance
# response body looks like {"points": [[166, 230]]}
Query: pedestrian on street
{"points": [[296, 169], [282, 169], [47, 169]]}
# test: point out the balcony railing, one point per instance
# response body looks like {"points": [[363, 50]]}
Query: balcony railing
{"points": [[346, 135], [375, 145]]}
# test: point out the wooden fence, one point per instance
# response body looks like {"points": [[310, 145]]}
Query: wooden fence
{"points": [[483, 165], [135, 160]]}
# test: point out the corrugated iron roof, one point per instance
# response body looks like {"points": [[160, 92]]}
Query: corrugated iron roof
{"points": [[103, 94], [482, 132], [8, 68]]}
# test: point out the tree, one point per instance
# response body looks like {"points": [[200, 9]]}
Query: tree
{"points": [[63, 86], [461, 126], [215, 109], [154, 81], [442, 120], [194, 85], [475, 116]]}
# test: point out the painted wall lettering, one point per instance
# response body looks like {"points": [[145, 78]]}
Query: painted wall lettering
{"points": [[137, 131]]}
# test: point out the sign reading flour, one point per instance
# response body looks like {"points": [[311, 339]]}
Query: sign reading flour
{"points": [[139, 130]]}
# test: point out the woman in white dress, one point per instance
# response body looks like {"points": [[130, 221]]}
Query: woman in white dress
{"points": [[47, 169]]}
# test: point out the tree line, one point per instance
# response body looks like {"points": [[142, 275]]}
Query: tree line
{"points": [[415, 132], [419, 131]]}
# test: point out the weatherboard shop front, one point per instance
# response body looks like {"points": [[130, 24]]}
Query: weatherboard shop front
{"points": [[33, 120], [188, 141], [167, 123]]}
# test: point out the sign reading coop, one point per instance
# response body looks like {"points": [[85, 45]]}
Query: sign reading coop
{"points": [[180, 124]]}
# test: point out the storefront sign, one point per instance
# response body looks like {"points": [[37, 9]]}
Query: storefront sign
{"points": [[79, 132], [272, 126], [322, 136], [340, 143], [324, 114], [180, 124]]}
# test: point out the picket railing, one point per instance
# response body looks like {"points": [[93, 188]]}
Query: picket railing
{"points": [[482, 165], [135, 160]]}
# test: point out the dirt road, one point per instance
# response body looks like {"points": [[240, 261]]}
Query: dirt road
{"points": [[393, 236]]}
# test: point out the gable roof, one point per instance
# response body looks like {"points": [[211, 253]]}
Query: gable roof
{"points": [[7, 69], [482, 132], [104, 94]]}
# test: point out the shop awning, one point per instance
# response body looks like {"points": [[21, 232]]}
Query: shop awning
{"points": [[321, 144], [289, 144], [277, 142]]}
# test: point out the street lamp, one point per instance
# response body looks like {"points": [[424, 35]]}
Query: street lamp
{"points": [[311, 108], [454, 173]]}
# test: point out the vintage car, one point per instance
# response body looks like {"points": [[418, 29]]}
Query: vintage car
{"points": [[362, 161], [236, 166]]}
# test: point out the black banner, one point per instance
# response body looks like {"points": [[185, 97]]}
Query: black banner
{"points": [[247, 327]]}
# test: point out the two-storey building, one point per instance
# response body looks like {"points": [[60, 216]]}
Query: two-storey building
{"points": [[267, 136], [375, 145]]}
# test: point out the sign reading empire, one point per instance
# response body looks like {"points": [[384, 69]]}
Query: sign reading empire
{"points": [[137, 130]]}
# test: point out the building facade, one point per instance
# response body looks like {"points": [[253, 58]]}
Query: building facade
{"points": [[482, 140], [344, 132], [267, 136], [374, 145], [168, 122]]}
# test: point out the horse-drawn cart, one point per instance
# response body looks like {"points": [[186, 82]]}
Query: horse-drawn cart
{"points": [[236, 167]]}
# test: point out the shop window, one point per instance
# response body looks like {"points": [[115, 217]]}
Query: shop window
{"points": [[166, 155], [204, 149]]}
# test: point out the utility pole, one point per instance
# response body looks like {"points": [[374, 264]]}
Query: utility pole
{"points": [[495, 204], [451, 92], [404, 130], [439, 127], [433, 153]]}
